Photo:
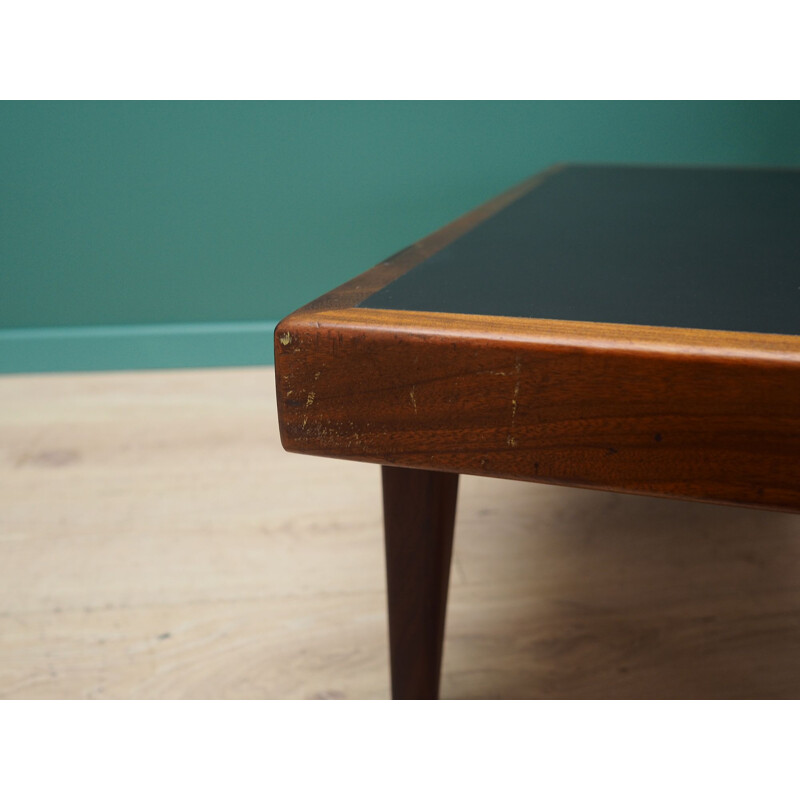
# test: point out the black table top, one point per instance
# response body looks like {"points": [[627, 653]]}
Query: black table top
{"points": [[709, 248]]}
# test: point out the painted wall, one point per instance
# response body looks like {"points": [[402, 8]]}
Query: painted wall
{"points": [[176, 234]]}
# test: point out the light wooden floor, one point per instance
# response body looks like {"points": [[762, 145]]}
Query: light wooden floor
{"points": [[156, 541]]}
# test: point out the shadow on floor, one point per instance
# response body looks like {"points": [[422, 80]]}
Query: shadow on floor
{"points": [[598, 595]]}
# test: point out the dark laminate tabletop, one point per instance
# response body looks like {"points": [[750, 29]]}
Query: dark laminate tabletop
{"points": [[707, 248], [627, 328]]}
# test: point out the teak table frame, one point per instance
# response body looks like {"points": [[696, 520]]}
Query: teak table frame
{"points": [[693, 414]]}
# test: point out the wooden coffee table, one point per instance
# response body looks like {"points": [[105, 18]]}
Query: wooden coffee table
{"points": [[634, 329]]}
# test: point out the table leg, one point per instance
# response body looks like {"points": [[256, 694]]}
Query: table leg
{"points": [[419, 512]]}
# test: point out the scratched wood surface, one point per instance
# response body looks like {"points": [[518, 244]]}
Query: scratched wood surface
{"points": [[662, 411], [156, 541], [497, 398]]}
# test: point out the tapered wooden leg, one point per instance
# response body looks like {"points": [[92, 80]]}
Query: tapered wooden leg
{"points": [[418, 512]]}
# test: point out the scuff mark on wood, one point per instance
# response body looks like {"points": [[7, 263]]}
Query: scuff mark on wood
{"points": [[517, 369], [514, 402]]}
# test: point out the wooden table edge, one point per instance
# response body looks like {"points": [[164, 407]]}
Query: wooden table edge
{"points": [[547, 333], [335, 368], [311, 339]]}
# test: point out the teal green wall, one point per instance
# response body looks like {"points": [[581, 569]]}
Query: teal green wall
{"points": [[198, 215]]}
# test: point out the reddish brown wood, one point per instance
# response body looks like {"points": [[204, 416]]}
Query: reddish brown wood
{"points": [[691, 414], [419, 512]]}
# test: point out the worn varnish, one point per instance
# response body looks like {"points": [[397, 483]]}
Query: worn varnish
{"points": [[687, 421], [694, 414]]}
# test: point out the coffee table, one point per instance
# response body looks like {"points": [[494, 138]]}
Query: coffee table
{"points": [[633, 329]]}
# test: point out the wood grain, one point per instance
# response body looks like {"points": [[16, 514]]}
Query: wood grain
{"points": [[662, 412], [156, 542], [692, 414]]}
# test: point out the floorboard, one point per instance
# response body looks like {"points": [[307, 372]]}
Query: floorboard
{"points": [[157, 542]]}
